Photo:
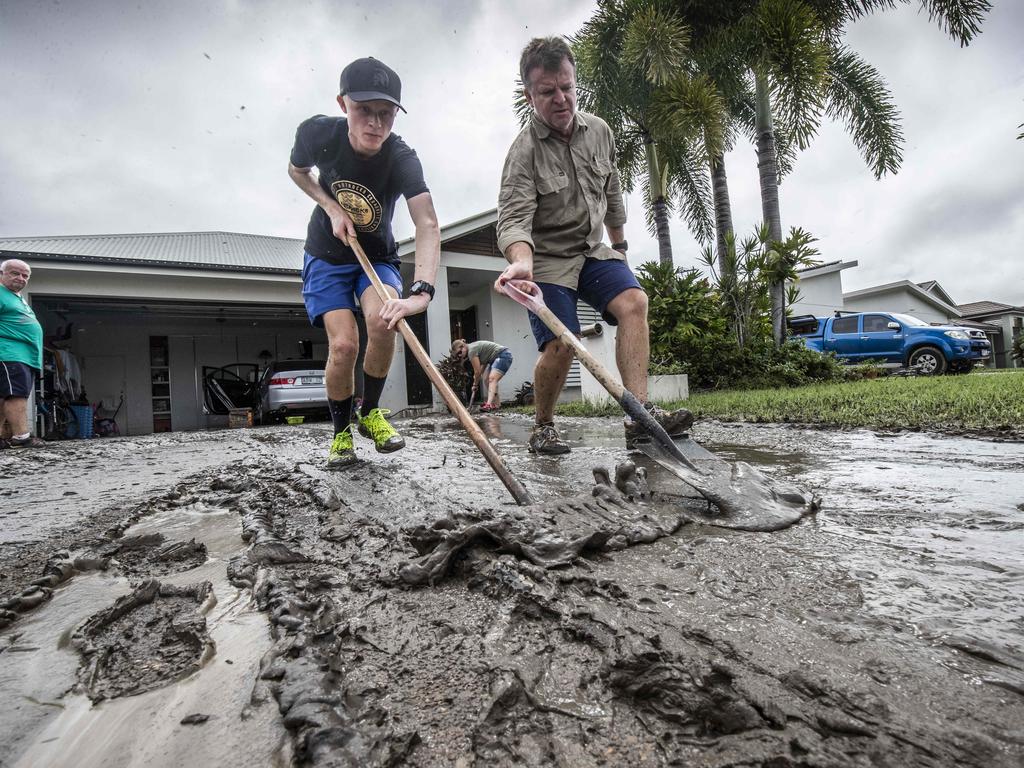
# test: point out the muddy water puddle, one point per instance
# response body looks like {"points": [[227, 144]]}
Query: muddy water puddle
{"points": [[933, 525], [56, 727]]}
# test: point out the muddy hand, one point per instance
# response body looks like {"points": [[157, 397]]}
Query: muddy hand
{"points": [[523, 292], [342, 226], [395, 309], [517, 270]]}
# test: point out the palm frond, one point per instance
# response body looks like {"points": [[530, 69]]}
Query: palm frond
{"points": [[858, 96], [690, 189], [960, 19], [687, 109], [793, 52], [656, 43]]}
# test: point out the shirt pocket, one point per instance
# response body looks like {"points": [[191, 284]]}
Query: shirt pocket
{"points": [[601, 168], [556, 182]]}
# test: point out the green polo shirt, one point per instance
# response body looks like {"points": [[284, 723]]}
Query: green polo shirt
{"points": [[558, 197], [21, 335]]}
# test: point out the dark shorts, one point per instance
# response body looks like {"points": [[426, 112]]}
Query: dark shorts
{"points": [[16, 380], [600, 282], [326, 287], [502, 362]]}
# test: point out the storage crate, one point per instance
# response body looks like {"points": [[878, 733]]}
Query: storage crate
{"points": [[239, 417], [81, 428]]}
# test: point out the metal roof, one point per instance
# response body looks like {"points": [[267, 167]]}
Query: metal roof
{"points": [[202, 250], [209, 250], [987, 308]]}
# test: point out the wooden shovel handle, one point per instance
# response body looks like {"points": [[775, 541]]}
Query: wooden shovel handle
{"points": [[511, 482]]}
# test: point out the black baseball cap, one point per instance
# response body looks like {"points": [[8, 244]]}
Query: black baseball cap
{"points": [[368, 79]]}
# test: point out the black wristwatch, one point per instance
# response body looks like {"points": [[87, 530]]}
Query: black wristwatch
{"points": [[422, 286], [622, 247]]}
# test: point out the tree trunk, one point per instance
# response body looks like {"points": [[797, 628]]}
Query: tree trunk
{"points": [[656, 182], [723, 207], [661, 227], [768, 171]]}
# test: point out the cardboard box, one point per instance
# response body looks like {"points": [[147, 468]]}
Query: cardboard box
{"points": [[239, 417]]}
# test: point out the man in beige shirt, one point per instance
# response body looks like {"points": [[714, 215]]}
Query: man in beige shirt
{"points": [[559, 194]]}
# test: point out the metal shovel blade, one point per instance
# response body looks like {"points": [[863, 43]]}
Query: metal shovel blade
{"points": [[745, 498]]}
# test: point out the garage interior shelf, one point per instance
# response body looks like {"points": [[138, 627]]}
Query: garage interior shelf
{"points": [[160, 382]]}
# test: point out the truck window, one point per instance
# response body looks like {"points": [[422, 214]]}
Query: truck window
{"points": [[844, 325], [876, 323]]}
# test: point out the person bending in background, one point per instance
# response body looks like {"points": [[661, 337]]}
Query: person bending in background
{"points": [[483, 355]]}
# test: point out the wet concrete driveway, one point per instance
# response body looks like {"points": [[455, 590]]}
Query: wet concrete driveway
{"points": [[407, 612]]}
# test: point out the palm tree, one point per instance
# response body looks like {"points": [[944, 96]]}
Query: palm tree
{"points": [[785, 66], [628, 55]]}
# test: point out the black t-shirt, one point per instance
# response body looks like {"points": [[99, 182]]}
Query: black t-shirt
{"points": [[367, 188]]}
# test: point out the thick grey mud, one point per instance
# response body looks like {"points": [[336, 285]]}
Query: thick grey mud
{"points": [[416, 619]]}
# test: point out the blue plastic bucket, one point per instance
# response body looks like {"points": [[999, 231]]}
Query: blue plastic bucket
{"points": [[82, 427]]}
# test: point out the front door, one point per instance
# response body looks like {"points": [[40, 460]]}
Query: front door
{"points": [[416, 381]]}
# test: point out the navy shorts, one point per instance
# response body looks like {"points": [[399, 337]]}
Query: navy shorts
{"points": [[502, 362], [16, 380], [601, 280], [326, 286]]}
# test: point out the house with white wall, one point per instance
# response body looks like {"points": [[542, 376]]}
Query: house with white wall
{"points": [[820, 289], [211, 299], [1007, 322], [928, 301]]}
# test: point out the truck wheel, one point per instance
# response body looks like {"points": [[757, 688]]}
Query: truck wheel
{"points": [[928, 360]]}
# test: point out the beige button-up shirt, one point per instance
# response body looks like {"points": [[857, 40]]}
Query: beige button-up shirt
{"points": [[558, 197]]}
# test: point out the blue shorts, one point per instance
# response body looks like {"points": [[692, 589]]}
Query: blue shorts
{"points": [[16, 380], [326, 286], [600, 282], [502, 362]]}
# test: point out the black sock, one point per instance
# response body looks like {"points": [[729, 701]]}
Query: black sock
{"points": [[341, 413], [372, 387]]}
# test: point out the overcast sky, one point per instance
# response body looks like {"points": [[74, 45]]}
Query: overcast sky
{"points": [[159, 116]]}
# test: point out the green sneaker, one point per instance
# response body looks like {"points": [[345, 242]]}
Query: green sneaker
{"points": [[343, 453], [376, 427]]}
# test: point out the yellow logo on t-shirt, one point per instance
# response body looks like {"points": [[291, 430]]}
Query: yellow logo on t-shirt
{"points": [[359, 203]]}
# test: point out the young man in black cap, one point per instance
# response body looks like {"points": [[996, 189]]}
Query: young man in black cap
{"points": [[356, 169]]}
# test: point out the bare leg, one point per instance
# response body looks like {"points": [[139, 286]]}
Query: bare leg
{"points": [[380, 342], [343, 345], [549, 377], [492, 387], [16, 414], [632, 343]]}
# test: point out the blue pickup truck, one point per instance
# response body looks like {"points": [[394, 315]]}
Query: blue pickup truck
{"points": [[894, 340]]}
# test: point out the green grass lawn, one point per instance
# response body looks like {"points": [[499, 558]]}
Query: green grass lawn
{"points": [[977, 402]]}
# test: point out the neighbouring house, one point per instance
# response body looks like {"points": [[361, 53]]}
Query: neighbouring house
{"points": [[820, 289], [928, 301], [1007, 322], [143, 314]]}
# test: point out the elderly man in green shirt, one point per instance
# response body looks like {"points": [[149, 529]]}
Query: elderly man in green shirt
{"points": [[21, 352], [559, 194]]}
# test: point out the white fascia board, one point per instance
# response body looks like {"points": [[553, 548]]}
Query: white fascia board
{"points": [[826, 269], [132, 269]]}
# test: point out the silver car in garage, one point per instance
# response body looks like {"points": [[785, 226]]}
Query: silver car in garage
{"points": [[291, 388]]}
